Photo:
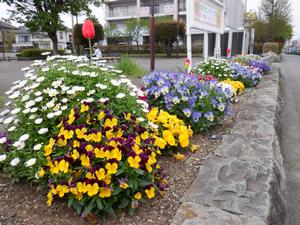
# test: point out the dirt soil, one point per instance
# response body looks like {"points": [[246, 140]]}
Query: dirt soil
{"points": [[21, 204]]}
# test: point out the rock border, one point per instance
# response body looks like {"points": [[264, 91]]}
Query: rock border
{"points": [[242, 183]]}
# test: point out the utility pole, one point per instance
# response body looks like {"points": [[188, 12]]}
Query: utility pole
{"points": [[152, 36], [177, 41]]}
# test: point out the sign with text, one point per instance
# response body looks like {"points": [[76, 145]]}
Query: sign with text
{"points": [[206, 15]]}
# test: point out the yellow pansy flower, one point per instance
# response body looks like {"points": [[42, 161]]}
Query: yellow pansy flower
{"points": [[127, 116], [85, 161], [75, 154], [63, 166], [105, 192], [111, 122], [90, 176], [81, 132], [76, 144], [54, 167], [101, 115], [100, 174], [184, 140], [48, 148], [134, 162], [92, 189], [160, 142], [81, 187], [138, 195], [109, 134], [62, 190], [145, 135], [41, 173], [137, 149], [50, 198], [62, 142], [152, 114], [68, 134], [169, 137], [107, 179], [89, 148], [99, 153], [114, 154], [84, 108], [71, 117], [124, 185], [111, 168], [137, 140], [150, 192], [96, 137]]}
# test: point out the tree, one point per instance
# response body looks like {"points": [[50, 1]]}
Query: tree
{"points": [[79, 39], [135, 28], [166, 34], [40, 15], [274, 9], [111, 30]]}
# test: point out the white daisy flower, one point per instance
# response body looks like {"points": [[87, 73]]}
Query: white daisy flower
{"points": [[39, 99], [40, 79], [25, 98], [50, 115], [4, 112], [43, 130], [26, 111], [91, 92], [38, 93], [15, 111], [8, 103], [58, 113], [34, 85], [101, 86], [38, 121], [9, 92], [52, 92], [33, 110], [50, 104], [8, 120], [25, 68], [29, 104], [37, 147], [120, 95], [30, 162], [64, 107], [103, 100], [3, 157], [15, 161], [57, 83], [115, 83], [32, 117], [16, 121], [24, 137], [45, 69], [64, 100], [11, 128], [14, 95], [46, 53]]}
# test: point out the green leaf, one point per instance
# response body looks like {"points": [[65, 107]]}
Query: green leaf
{"points": [[99, 204], [139, 171], [143, 183], [131, 211], [88, 209], [124, 203]]}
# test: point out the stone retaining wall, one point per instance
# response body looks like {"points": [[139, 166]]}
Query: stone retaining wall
{"points": [[241, 183]]}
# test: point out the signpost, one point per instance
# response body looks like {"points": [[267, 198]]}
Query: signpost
{"points": [[207, 16]]}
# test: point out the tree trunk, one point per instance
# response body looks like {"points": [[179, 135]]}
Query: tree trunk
{"points": [[53, 37]]}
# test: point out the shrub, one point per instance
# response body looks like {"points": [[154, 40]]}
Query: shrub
{"points": [[271, 46], [199, 103], [218, 68], [129, 67], [244, 59], [36, 53]]}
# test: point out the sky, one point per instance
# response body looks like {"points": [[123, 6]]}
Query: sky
{"points": [[251, 5]]}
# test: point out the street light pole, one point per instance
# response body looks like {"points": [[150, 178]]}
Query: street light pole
{"points": [[177, 41], [152, 36]]}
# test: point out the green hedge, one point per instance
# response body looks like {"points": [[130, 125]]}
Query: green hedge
{"points": [[36, 53]]}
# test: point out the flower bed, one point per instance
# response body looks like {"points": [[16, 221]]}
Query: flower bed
{"points": [[83, 131], [199, 103]]}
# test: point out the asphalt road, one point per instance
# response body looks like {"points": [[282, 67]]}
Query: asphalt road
{"points": [[290, 135]]}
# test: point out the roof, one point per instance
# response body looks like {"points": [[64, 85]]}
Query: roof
{"points": [[7, 25]]}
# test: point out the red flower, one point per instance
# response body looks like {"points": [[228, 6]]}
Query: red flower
{"points": [[88, 30]]}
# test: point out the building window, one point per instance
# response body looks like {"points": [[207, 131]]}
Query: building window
{"points": [[61, 37], [23, 38]]}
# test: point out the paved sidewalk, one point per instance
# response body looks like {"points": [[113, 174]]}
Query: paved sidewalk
{"points": [[290, 135]]}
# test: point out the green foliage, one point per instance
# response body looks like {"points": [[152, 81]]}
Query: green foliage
{"points": [[111, 30], [166, 34], [36, 53], [129, 67], [45, 15], [79, 39], [135, 28]]}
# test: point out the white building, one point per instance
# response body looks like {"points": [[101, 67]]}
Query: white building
{"points": [[27, 39], [118, 11]]}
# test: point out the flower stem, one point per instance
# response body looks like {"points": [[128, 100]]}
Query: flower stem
{"points": [[91, 51]]}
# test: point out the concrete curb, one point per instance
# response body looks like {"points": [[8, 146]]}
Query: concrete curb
{"points": [[242, 183]]}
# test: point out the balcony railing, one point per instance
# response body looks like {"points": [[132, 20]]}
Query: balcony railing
{"points": [[126, 11]]}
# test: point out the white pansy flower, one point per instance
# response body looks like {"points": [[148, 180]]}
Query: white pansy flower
{"points": [[101, 86], [115, 83], [11, 128], [37, 147], [24, 137], [30, 162], [14, 95], [8, 120], [57, 83], [15, 161], [15, 111], [8, 103], [52, 92], [3, 157], [141, 119], [38, 121], [4, 112], [26, 111], [32, 117], [120, 95], [154, 126], [89, 100], [145, 110], [3, 140], [43, 130], [39, 99]]}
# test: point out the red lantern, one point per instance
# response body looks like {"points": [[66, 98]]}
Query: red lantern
{"points": [[88, 30]]}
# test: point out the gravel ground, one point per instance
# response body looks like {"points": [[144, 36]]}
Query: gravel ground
{"points": [[21, 204]]}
